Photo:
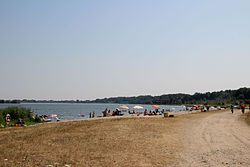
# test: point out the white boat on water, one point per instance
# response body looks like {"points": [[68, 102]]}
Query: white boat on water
{"points": [[51, 118]]}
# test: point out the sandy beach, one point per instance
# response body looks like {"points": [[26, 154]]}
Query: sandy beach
{"points": [[89, 83], [199, 139]]}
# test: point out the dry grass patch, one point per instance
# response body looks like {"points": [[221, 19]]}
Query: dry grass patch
{"points": [[104, 142]]}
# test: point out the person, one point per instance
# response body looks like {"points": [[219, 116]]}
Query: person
{"points": [[7, 120], [90, 115], [208, 107], [108, 113], [93, 115], [150, 113], [145, 112], [242, 108], [162, 111], [113, 113], [118, 112], [105, 112], [154, 113], [232, 109], [38, 119], [20, 121]]}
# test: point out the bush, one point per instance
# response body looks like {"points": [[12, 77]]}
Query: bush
{"points": [[15, 114]]}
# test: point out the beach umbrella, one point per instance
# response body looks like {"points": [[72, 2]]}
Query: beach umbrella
{"points": [[155, 106], [124, 107], [137, 107]]}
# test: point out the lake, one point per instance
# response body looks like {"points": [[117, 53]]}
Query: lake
{"points": [[71, 111]]}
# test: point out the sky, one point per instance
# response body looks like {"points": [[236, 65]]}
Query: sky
{"points": [[92, 49]]}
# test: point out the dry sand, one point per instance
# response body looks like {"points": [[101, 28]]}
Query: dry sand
{"points": [[214, 138], [220, 139]]}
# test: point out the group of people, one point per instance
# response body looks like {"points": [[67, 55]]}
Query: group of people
{"points": [[92, 115], [195, 107], [155, 112], [117, 112], [20, 121], [242, 107], [108, 113], [42, 117]]}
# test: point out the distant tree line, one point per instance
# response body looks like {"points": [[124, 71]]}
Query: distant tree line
{"points": [[221, 98], [40, 101], [10, 101]]}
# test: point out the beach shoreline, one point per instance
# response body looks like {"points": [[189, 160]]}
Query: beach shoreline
{"points": [[108, 141], [175, 113]]}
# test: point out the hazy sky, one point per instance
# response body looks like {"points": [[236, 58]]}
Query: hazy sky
{"points": [[91, 49]]}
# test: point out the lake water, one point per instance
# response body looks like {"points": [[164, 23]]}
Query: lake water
{"points": [[70, 111]]}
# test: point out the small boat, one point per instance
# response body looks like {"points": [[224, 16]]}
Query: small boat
{"points": [[47, 120], [52, 115], [50, 118]]}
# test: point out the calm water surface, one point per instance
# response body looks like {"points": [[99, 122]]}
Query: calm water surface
{"points": [[70, 111]]}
